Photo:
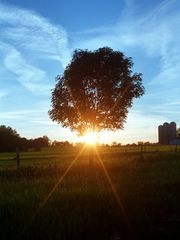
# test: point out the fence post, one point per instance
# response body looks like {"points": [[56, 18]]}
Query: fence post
{"points": [[17, 157], [176, 148]]}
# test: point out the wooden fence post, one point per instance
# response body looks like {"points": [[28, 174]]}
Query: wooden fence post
{"points": [[176, 148], [17, 157]]}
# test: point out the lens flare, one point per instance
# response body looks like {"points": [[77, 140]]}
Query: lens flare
{"points": [[91, 138]]}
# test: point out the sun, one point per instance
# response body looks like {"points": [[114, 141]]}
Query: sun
{"points": [[91, 138]]}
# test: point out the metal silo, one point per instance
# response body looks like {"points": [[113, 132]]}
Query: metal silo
{"points": [[166, 133], [160, 134], [172, 131]]}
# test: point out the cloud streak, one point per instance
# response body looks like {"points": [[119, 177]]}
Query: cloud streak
{"points": [[29, 76], [27, 37], [152, 32]]}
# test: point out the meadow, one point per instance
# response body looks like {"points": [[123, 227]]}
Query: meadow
{"points": [[122, 194]]}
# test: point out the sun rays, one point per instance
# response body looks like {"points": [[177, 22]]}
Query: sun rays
{"points": [[49, 195], [91, 138], [106, 174]]}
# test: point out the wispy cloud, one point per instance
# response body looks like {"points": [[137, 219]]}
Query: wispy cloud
{"points": [[27, 37], [31, 77], [153, 32]]}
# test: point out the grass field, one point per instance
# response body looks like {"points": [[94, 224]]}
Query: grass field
{"points": [[141, 201]]}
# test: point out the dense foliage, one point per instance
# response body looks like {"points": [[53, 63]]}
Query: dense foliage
{"points": [[96, 91], [10, 140]]}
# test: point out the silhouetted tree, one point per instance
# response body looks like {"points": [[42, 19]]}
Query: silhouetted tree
{"points": [[9, 139], [115, 144], [23, 144], [40, 142], [96, 91]]}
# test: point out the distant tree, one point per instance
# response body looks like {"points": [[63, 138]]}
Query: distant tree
{"points": [[9, 139], [23, 144], [40, 142], [115, 144], [54, 143], [61, 144], [96, 91]]}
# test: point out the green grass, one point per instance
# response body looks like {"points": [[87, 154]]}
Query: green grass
{"points": [[83, 206]]}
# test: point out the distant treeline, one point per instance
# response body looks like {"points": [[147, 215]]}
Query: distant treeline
{"points": [[10, 140], [61, 144]]}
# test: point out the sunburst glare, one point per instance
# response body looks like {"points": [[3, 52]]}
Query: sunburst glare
{"points": [[91, 138]]}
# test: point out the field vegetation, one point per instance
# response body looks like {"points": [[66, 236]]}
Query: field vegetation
{"points": [[136, 197]]}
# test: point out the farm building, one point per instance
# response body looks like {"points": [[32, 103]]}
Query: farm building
{"points": [[167, 134]]}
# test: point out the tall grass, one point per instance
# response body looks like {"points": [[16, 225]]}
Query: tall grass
{"points": [[83, 205]]}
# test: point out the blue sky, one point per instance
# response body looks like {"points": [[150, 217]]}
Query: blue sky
{"points": [[37, 39]]}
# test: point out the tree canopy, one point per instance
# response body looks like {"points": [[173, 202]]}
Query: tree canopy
{"points": [[95, 91], [8, 138]]}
